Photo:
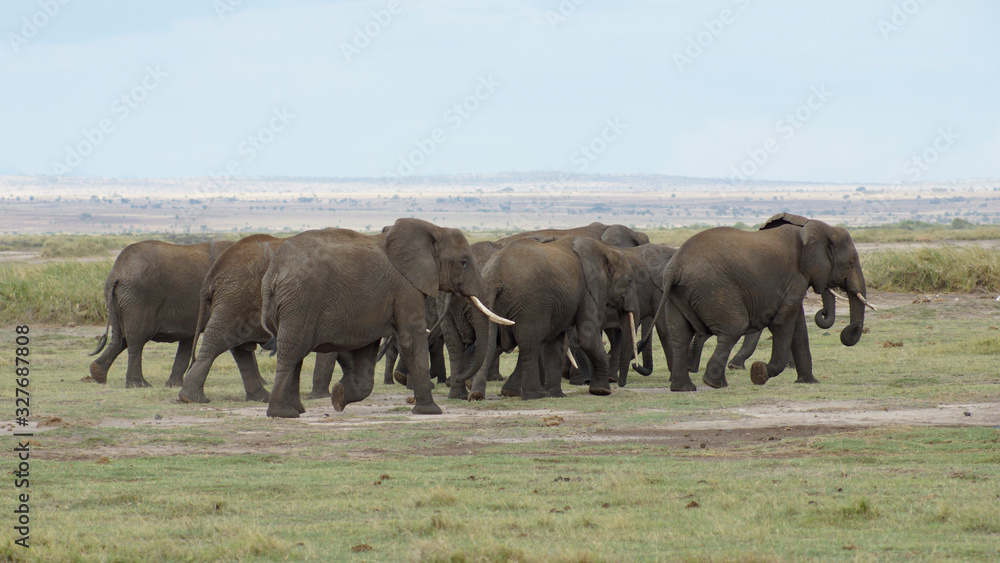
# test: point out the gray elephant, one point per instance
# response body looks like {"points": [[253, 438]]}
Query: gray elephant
{"points": [[618, 236], [337, 290], [152, 295], [728, 282], [230, 301], [548, 288]]}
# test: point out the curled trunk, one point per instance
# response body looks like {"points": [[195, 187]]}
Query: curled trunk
{"points": [[826, 316]]}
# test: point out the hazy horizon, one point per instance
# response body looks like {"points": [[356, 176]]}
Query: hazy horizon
{"points": [[879, 92]]}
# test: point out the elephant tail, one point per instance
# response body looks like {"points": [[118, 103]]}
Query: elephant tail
{"points": [[669, 279], [386, 343], [113, 316]]}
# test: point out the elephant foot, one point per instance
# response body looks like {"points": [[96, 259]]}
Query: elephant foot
{"points": [[98, 374], [682, 386], [477, 395], [578, 380], [807, 379], [318, 394], [458, 392], [186, 396], [286, 410], [400, 377], [506, 392], [736, 365], [715, 383], [539, 393], [171, 383], [758, 373], [337, 397], [599, 389], [426, 408], [557, 393], [297, 403], [136, 383], [494, 377], [261, 396]]}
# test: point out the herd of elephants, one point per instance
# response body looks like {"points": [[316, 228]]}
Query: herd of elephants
{"points": [[416, 288]]}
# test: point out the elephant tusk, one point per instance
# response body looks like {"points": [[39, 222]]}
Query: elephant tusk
{"points": [[866, 303], [631, 326], [572, 360], [492, 316], [837, 295]]}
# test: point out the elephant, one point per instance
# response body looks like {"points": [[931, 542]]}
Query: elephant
{"points": [[335, 290], [546, 288], [435, 340], [728, 282], [618, 236], [230, 301], [152, 295]]}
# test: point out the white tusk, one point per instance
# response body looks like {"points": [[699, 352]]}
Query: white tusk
{"points": [[867, 304], [493, 316], [837, 295], [572, 360], [631, 325]]}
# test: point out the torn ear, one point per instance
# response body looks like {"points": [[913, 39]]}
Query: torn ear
{"points": [[817, 253], [409, 244], [784, 219]]}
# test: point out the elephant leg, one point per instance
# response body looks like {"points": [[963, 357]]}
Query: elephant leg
{"points": [[193, 387], [99, 367], [715, 370], [133, 376], [681, 335], [694, 355], [531, 384], [494, 373], [663, 333], [801, 356], [246, 362], [615, 354], [512, 387], [390, 360], [358, 379], [593, 346], [780, 350], [402, 372], [412, 340], [323, 375], [182, 359], [284, 401], [436, 351], [551, 365], [746, 350]]}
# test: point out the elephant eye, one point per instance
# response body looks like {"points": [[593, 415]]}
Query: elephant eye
{"points": [[465, 264]]}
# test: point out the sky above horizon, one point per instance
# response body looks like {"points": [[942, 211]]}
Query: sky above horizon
{"points": [[865, 91]]}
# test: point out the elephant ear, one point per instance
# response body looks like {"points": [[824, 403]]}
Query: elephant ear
{"points": [[784, 219], [817, 253], [656, 258], [621, 236], [595, 264], [409, 244]]}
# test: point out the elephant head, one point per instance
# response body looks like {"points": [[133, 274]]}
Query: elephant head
{"points": [[436, 259], [829, 260], [608, 275]]}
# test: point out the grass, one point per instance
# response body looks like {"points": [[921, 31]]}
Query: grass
{"points": [[946, 268], [53, 292], [207, 482]]}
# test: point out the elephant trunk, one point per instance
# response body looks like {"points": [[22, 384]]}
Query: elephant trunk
{"points": [[481, 324], [856, 292], [826, 316]]}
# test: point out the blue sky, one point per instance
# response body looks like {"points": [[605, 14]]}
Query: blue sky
{"points": [[847, 91]]}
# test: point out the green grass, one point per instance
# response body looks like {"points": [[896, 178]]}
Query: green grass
{"points": [[208, 482], [53, 292], [945, 268]]}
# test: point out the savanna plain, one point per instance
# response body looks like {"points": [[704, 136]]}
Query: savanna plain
{"points": [[894, 455]]}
